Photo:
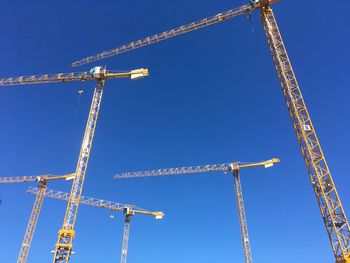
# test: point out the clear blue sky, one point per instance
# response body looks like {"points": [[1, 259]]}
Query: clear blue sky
{"points": [[212, 97]]}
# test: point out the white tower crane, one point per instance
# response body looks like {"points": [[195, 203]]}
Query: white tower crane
{"points": [[127, 209], [100, 74], [231, 167]]}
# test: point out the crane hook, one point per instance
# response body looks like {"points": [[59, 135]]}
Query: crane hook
{"points": [[249, 16]]}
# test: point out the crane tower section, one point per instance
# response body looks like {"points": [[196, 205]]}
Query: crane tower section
{"points": [[126, 234], [28, 237], [242, 217], [326, 194], [66, 234]]}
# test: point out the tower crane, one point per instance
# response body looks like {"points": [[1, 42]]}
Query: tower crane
{"points": [[34, 216], [230, 167], [128, 210], [100, 74], [332, 211]]}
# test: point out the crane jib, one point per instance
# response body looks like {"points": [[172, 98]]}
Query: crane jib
{"points": [[221, 17]]}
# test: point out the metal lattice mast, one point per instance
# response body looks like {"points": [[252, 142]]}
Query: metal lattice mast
{"points": [[326, 194], [66, 234], [33, 220], [230, 167], [125, 244], [242, 217]]}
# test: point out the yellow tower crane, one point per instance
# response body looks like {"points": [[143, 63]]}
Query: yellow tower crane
{"points": [[100, 74], [332, 211], [34, 216], [127, 209], [231, 167]]}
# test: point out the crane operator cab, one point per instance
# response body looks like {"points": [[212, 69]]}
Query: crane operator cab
{"points": [[98, 72], [128, 211], [254, 2], [261, 3]]}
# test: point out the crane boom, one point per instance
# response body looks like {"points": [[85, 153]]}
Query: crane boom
{"points": [[18, 179], [221, 17], [194, 169], [37, 178], [332, 211], [180, 170], [91, 201], [69, 77], [28, 237], [47, 78]]}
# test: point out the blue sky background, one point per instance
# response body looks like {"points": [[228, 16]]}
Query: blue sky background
{"points": [[212, 97]]}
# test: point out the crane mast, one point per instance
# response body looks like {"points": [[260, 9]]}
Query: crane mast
{"points": [[33, 220], [66, 234], [231, 167], [126, 233], [332, 211], [242, 217]]}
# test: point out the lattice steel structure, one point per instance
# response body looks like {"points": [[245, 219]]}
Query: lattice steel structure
{"points": [[230, 167], [66, 234], [126, 234], [331, 209], [245, 9], [33, 220], [37, 178], [127, 209], [85, 200]]}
